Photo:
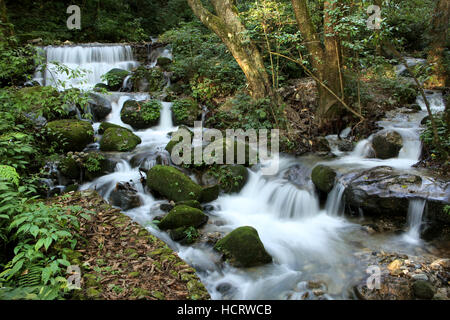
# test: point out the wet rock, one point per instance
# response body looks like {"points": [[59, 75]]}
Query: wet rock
{"points": [[125, 196], [183, 217], [243, 153], [387, 144], [119, 139], [115, 78], [345, 146], [75, 135], [230, 178], [163, 62], [423, 289], [106, 125], [243, 248], [420, 276], [100, 106], [37, 120], [210, 193], [172, 184], [323, 178], [190, 203], [141, 114]]}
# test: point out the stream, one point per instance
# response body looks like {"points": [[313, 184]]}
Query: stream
{"points": [[307, 242]]}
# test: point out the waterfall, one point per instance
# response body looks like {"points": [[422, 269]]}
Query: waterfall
{"points": [[335, 205], [414, 220], [165, 122], [435, 99], [95, 60]]}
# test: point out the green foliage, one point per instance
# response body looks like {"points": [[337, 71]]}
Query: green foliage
{"points": [[441, 151], [191, 234], [202, 63], [151, 110], [9, 174]]}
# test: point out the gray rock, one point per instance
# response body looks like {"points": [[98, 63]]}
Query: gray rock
{"points": [[387, 144], [420, 276], [423, 289], [100, 106], [125, 196]]}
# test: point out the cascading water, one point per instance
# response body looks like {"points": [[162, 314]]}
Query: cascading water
{"points": [[415, 214], [96, 60], [306, 242]]}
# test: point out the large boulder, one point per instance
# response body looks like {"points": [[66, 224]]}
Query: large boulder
{"points": [[230, 178], [183, 216], [243, 248], [185, 112], [74, 134], [99, 105], [141, 114], [119, 139], [106, 125], [323, 178], [115, 78], [150, 80], [172, 184], [125, 196], [387, 144]]}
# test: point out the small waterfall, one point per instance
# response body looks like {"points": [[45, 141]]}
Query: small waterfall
{"points": [[127, 85], [335, 205], [435, 99], [415, 214], [96, 60], [362, 149], [165, 122]]}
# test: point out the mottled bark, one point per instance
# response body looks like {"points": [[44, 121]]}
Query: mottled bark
{"points": [[227, 25], [440, 23], [324, 58]]}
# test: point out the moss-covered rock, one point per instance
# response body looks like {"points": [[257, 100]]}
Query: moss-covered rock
{"points": [[243, 248], [163, 62], [172, 184], [210, 193], [118, 139], [185, 112], [423, 289], [106, 125], [70, 168], [230, 178], [189, 203], [323, 178], [387, 144], [115, 78], [95, 165], [183, 217], [242, 154], [74, 134], [141, 114], [153, 79]]}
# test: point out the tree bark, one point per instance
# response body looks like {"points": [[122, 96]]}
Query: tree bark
{"points": [[227, 25], [440, 23], [5, 29], [324, 58]]}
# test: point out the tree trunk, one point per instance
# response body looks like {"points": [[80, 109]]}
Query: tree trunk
{"points": [[227, 25], [440, 24], [5, 29], [324, 59]]}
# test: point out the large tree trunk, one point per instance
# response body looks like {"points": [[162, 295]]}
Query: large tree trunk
{"points": [[324, 59], [440, 24], [226, 24]]}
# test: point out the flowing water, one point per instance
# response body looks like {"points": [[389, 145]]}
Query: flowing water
{"points": [[306, 241]]}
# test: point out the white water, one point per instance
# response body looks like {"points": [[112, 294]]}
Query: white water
{"points": [[94, 60], [414, 220], [305, 241]]}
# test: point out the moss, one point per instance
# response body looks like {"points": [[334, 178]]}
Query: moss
{"points": [[173, 184], [140, 293], [243, 248], [228, 146], [117, 139], [153, 76], [106, 125], [134, 274], [115, 78], [183, 216], [231, 178], [196, 290], [190, 203], [323, 177], [158, 295], [142, 114], [210, 193], [75, 134], [185, 112], [70, 168]]}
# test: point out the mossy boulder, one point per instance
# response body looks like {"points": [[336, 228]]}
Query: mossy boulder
{"points": [[243, 248], [387, 144], [163, 62], [230, 178], [151, 79], [106, 125], [141, 114], [74, 134], [120, 140], [95, 165], [115, 78], [242, 153], [210, 193], [70, 168], [100, 107], [323, 178], [100, 86], [183, 217], [185, 112], [190, 203], [172, 184]]}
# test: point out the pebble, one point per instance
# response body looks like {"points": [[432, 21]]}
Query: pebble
{"points": [[420, 276]]}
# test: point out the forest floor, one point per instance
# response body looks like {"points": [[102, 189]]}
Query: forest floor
{"points": [[120, 260]]}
